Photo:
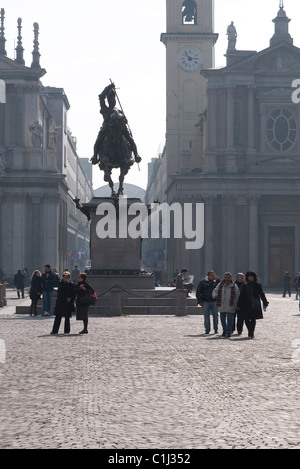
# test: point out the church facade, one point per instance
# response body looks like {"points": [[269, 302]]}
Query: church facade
{"points": [[247, 176], [40, 171]]}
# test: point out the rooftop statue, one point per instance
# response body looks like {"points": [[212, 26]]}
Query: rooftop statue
{"points": [[114, 147], [232, 35]]}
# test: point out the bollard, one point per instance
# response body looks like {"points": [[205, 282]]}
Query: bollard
{"points": [[181, 308], [3, 300], [115, 302]]}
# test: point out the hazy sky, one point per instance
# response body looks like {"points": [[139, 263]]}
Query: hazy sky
{"points": [[84, 44]]}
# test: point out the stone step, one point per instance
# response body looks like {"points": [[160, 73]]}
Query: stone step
{"points": [[144, 299], [104, 310], [144, 310], [155, 301], [158, 310]]}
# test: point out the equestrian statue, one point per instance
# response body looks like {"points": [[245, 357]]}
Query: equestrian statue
{"points": [[114, 147]]}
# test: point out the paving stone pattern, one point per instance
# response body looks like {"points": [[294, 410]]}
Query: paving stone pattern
{"points": [[151, 382]]}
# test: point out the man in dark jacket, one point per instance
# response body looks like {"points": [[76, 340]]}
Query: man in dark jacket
{"points": [[64, 303], [49, 281], [205, 299], [287, 284]]}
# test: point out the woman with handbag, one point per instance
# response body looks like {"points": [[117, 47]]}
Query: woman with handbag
{"points": [[84, 293], [249, 302], [64, 306]]}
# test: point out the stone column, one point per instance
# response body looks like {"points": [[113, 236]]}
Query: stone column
{"points": [[250, 116], [253, 232], [250, 129], [209, 230], [230, 246], [229, 117], [50, 229], [230, 163], [34, 244], [18, 252], [210, 163], [7, 233]]}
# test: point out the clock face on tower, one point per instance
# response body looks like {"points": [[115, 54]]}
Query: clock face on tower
{"points": [[190, 59]]}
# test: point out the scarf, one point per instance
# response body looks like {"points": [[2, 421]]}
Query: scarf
{"points": [[232, 294]]}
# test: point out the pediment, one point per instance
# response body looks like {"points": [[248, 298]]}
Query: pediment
{"points": [[9, 67], [280, 58], [7, 64]]}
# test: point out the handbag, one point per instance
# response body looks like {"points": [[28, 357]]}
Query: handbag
{"points": [[89, 299], [255, 305]]}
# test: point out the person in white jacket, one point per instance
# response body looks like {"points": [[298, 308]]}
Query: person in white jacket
{"points": [[226, 294]]}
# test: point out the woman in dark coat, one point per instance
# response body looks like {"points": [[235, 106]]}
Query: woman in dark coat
{"points": [[249, 302], [83, 288], [65, 303], [19, 282], [35, 291]]}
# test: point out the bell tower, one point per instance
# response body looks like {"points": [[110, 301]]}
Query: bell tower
{"points": [[189, 42]]}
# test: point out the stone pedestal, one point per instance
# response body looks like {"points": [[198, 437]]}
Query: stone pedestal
{"points": [[51, 160], [115, 253], [35, 159], [181, 308]]}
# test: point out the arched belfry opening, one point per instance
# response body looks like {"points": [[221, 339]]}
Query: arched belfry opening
{"points": [[189, 12]]}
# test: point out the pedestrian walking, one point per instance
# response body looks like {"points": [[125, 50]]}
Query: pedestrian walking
{"points": [[35, 292], [75, 273], [249, 302], [226, 294], [83, 290], [19, 283], [204, 297], [287, 283], [297, 285], [64, 306], [49, 282], [238, 317]]}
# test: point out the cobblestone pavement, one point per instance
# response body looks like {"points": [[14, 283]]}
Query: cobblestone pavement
{"points": [[150, 382]]}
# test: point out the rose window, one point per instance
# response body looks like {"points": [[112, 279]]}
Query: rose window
{"points": [[281, 130]]}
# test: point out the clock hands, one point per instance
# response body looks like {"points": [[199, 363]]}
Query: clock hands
{"points": [[188, 56]]}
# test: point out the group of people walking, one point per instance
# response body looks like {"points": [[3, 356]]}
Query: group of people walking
{"points": [[70, 297], [238, 302]]}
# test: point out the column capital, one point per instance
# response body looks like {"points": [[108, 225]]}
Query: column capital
{"points": [[253, 198]]}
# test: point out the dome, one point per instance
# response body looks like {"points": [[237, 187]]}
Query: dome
{"points": [[130, 190]]}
